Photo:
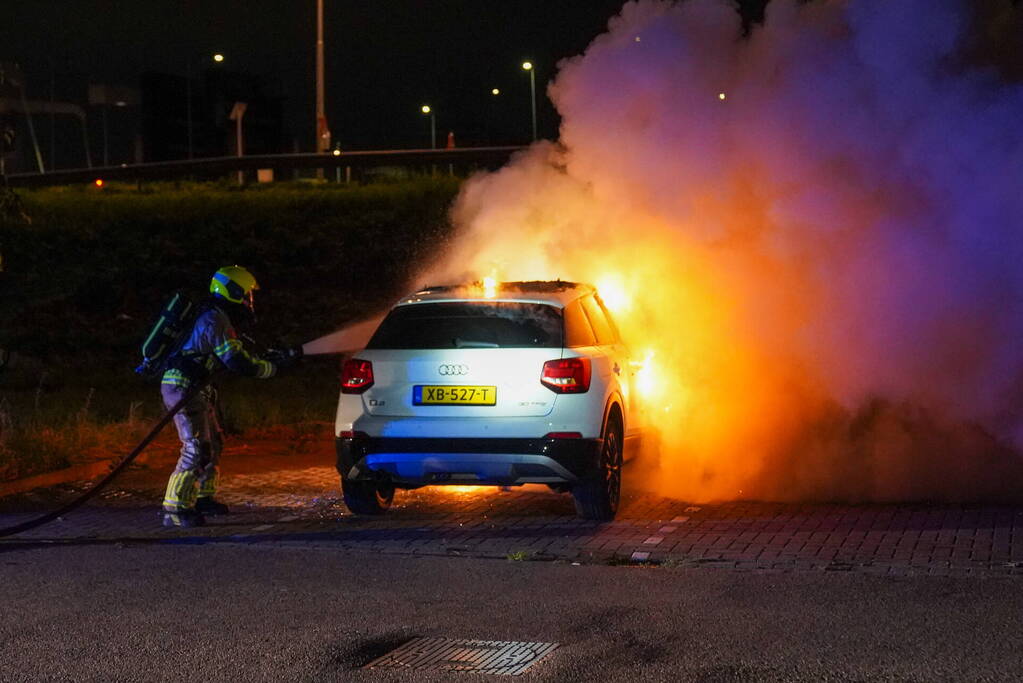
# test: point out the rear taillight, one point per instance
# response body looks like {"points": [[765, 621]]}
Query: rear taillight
{"points": [[566, 375], [353, 435], [563, 435], [356, 376]]}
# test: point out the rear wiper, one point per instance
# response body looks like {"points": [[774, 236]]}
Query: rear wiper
{"points": [[470, 344]]}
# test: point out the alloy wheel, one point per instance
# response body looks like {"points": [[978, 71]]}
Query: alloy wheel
{"points": [[611, 460]]}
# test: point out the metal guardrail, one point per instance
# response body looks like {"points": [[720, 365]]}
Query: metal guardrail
{"points": [[221, 166]]}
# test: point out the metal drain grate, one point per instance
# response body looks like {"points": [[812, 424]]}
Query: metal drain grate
{"points": [[502, 657]]}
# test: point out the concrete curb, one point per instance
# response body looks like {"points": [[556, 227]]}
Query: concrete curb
{"points": [[90, 470]]}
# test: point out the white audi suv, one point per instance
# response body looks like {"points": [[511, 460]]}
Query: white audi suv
{"points": [[490, 384]]}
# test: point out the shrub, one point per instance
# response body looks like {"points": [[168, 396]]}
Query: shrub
{"points": [[83, 281]]}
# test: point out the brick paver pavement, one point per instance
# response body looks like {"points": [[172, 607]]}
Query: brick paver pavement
{"points": [[293, 499]]}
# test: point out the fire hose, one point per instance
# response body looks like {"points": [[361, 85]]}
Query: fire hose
{"points": [[191, 393]]}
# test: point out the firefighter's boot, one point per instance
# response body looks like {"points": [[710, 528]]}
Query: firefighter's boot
{"points": [[186, 519], [208, 506]]}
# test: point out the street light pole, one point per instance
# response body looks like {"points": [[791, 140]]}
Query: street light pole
{"points": [[237, 114], [53, 115], [188, 100], [322, 132], [106, 144], [427, 110], [433, 125], [492, 114], [528, 66]]}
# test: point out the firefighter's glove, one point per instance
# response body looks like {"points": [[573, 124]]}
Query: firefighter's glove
{"points": [[284, 358]]}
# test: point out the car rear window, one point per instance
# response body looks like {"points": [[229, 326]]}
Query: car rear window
{"points": [[466, 325], [609, 317], [601, 327]]}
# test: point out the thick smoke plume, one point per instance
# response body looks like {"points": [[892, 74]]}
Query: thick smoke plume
{"points": [[815, 228]]}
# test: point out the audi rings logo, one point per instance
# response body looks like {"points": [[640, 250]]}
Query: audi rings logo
{"points": [[451, 369]]}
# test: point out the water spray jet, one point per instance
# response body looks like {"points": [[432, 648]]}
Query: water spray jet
{"points": [[346, 340]]}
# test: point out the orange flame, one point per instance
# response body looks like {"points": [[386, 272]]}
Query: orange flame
{"points": [[490, 286]]}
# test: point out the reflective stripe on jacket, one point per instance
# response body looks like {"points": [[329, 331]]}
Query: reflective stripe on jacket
{"points": [[213, 341]]}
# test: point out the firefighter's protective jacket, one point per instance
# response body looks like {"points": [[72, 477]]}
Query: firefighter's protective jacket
{"points": [[213, 341]]}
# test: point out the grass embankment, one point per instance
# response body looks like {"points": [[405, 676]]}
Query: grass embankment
{"points": [[81, 284]]}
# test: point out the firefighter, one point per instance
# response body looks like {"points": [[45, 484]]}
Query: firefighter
{"points": [[212, 343]]}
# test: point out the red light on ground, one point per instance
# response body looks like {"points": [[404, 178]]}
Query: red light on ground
{"points": [[98, 182]]}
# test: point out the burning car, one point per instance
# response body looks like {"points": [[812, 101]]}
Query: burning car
{"points": [[490, 384]]}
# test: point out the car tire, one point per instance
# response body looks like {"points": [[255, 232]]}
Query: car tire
{"points": [[367, 497], [598, 494]]}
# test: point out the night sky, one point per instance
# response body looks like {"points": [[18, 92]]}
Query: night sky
{"points": [[385, 58]]}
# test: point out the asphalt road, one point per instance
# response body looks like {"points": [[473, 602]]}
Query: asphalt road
{"points": [[226, 611]]}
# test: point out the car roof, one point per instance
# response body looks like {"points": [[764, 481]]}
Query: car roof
{"points": [[558, 293]]}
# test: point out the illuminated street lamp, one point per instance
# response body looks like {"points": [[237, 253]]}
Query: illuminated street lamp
{"points": [[218, 58], [528, 66], [433, 125], [495, 91]]}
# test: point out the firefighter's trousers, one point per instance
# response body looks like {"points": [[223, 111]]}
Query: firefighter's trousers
{"points": [[198, 468]]}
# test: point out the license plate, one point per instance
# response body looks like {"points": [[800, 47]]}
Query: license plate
{"points": [[448, 395]]}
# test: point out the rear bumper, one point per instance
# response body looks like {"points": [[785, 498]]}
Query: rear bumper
{"points": [[411, 462]]}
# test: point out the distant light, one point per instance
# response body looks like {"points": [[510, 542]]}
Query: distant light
{"points": [[495, 91], [218, 57], [721, 96], [426, 109], [98, 182], [120, 103], [337, 152], [638, 39], [527, 65]]}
